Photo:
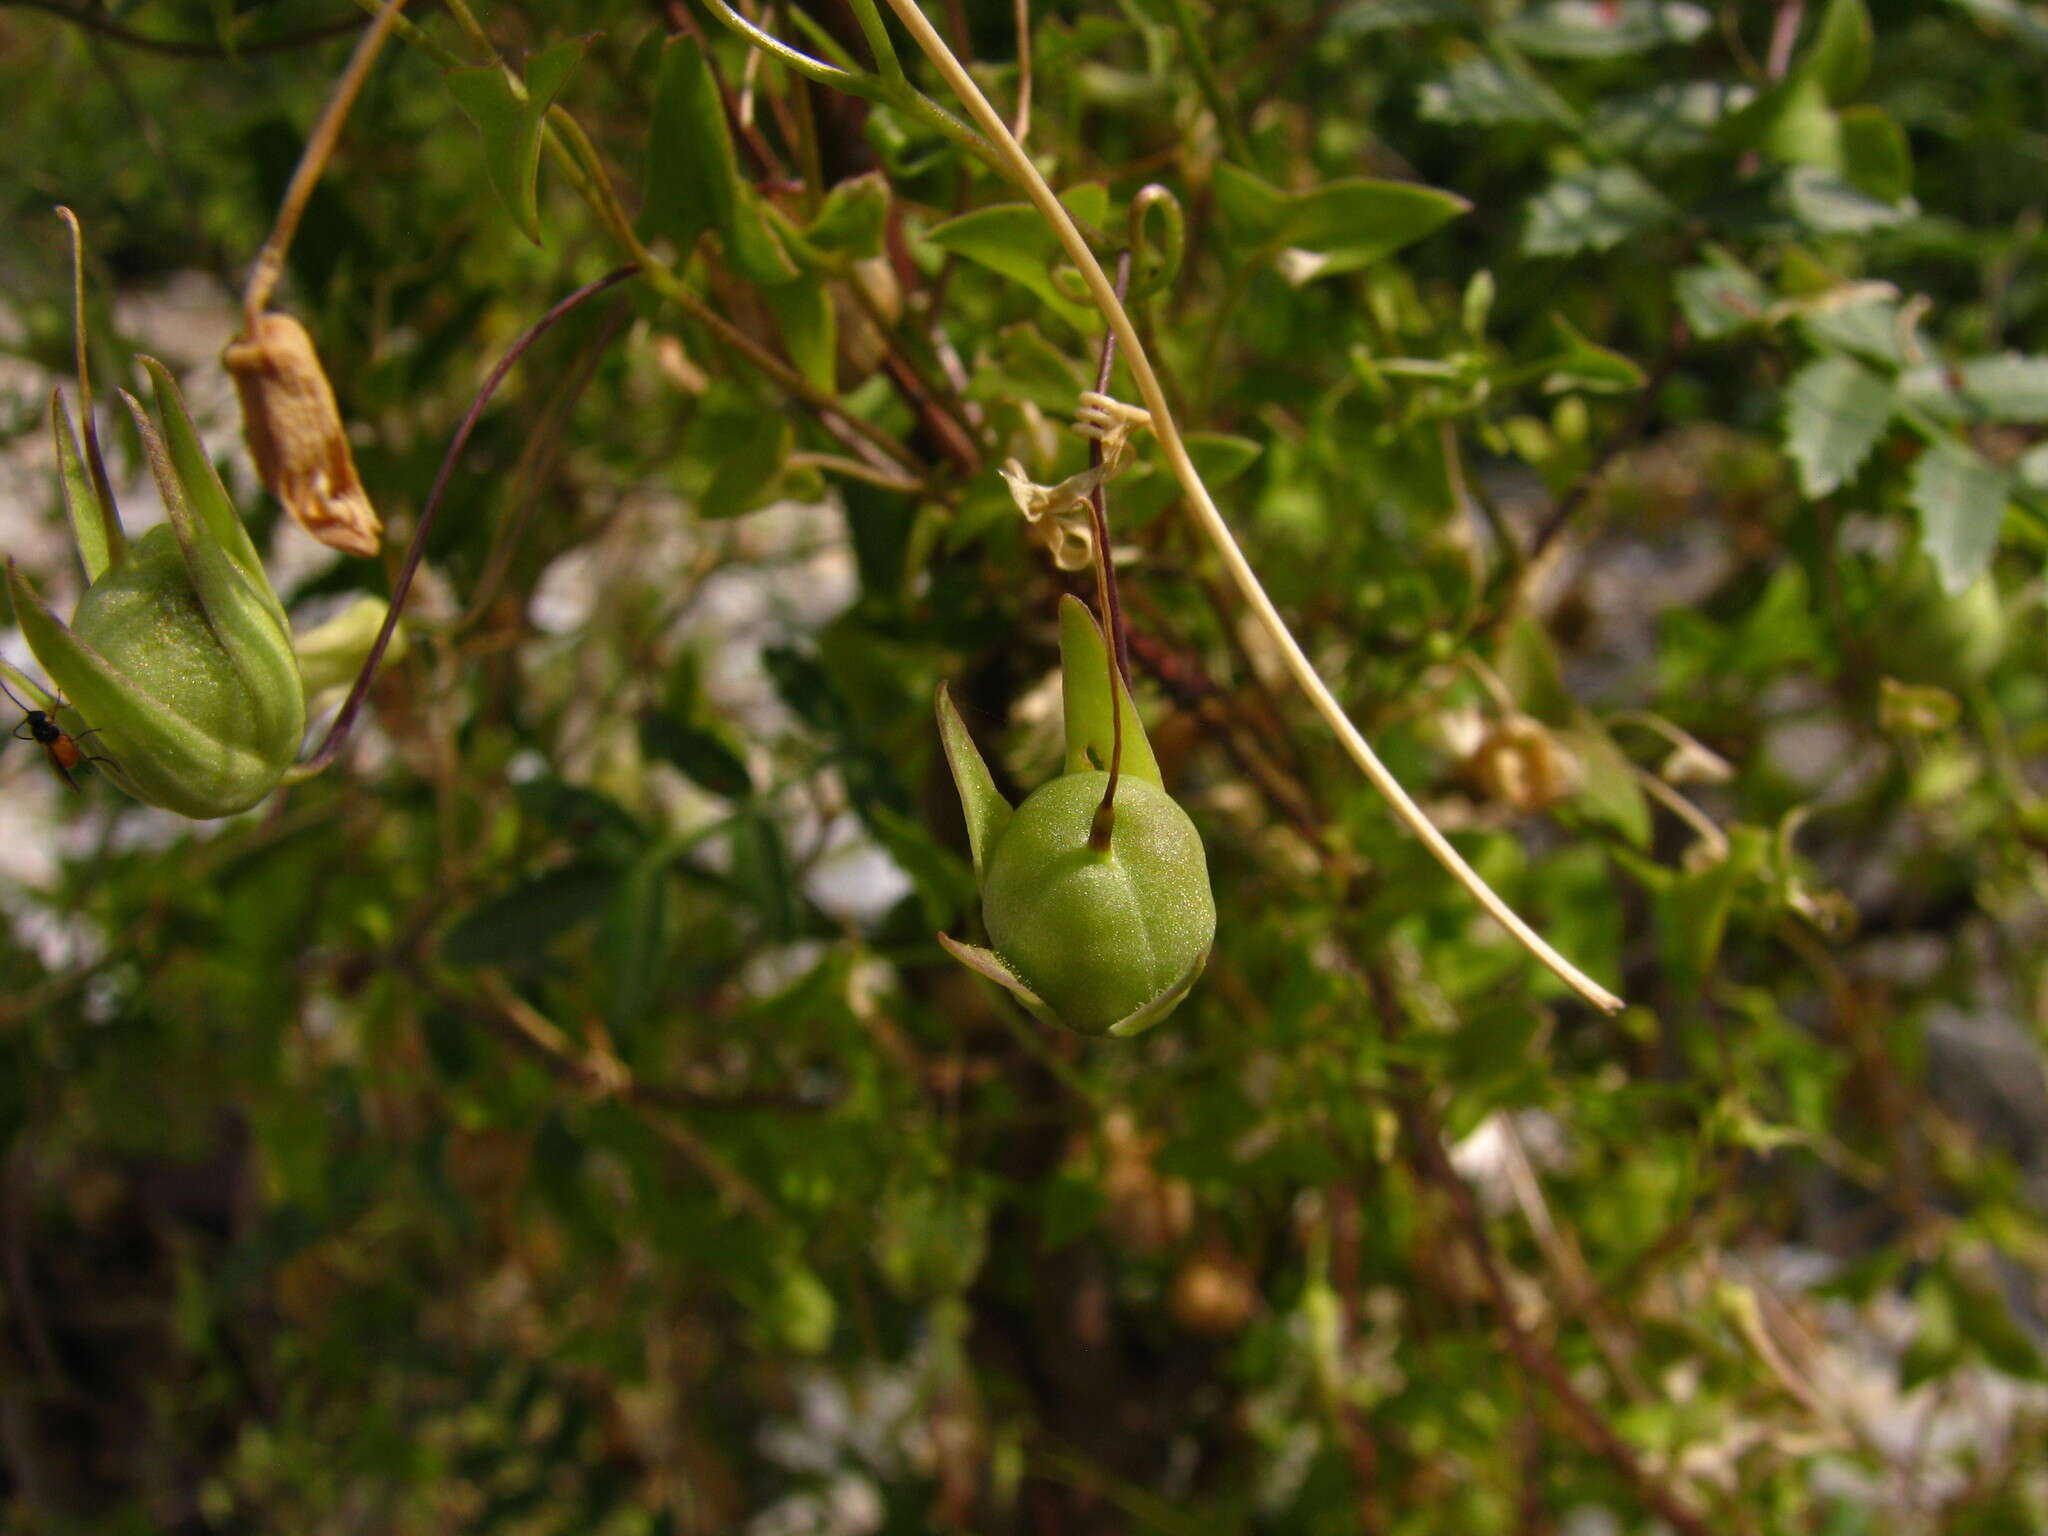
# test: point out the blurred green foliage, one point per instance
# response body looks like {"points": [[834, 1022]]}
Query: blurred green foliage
{"points": [[560, 1117]]}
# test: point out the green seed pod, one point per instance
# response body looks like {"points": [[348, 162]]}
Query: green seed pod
{"points": [[1100, 941], [179, 656]]}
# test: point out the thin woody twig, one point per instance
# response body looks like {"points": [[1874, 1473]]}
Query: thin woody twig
{"points": [[312, 162]]}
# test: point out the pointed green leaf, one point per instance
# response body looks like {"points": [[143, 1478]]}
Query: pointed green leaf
{"points": [[1585, 365], [810, 328], [634, 945], [697, 754], [1084, 678], [746, 476], [851, 221], [1840, 55], [1251, 208], [1961, 498], [693, 173], [1836, 410], [983, 805], [1353, 223], [96, 528], [1011, 239], [509, 123], [1875, 156]]}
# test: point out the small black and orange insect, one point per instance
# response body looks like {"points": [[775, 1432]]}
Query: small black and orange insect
{"points": [[65, 752]]}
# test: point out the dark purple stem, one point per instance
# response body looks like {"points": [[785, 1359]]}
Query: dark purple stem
{"points": [[1116, 647], [337, 733]]}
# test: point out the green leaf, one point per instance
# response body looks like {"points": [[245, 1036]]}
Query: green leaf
{"points": [[851, 221], [698, 755], [634, 946], [1481, 92], [1840, 55], [1721, 297], [1585, 365], [1961, 498], [1598, 29], [693, 175], [2013, 17], [1013, 240], [1829, 205], [810, 328], [1678, 117], [510, 124], [746, 476], [1251, 208], [524, 921], [1351, 224], [944, 884], [1875, 156], [2007, 388], [1835, 412], [761, 875], [1869, 327], [1594, 209], [1609, 792]]}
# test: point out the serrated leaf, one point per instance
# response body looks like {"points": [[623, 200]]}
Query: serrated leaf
{"points": [[511, 127], [746, 475], [1594, 209], [1600, 29], [1721, 296], [1835, 412], [1961, 498], [1351, 224], [698, 755], [1480, 91], [1829, 205], [1868, 327], [2007, 388], [1677, 117]]}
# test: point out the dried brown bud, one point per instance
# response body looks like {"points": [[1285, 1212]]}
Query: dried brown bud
{"points": [[1522, 765], [295, 432], [1213, 1295]]}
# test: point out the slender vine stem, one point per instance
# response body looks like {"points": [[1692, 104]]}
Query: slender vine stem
{"points": [[1020, 169], [337, 733]]}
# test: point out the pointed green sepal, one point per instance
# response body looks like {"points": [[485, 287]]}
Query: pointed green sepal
{"points": [[1084, 675], [988, 964], [202, 487], [986, 810], [95, 525], [1144, 1018]]}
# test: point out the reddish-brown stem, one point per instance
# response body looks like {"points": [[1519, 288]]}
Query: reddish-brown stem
{"points": [[1115, 647], [337, 733]]}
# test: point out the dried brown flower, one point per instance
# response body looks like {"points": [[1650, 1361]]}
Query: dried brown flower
{"points": [[294, 430]]}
